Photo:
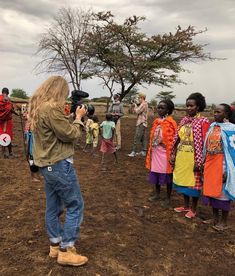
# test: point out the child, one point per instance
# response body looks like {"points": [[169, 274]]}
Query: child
{"points": [[89, 135], [108, 130], [95, 132]]}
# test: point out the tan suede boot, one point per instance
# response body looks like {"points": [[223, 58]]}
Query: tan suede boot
{"points": [[54, 251], [71, 257]]}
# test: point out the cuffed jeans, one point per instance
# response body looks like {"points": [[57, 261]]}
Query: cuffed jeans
{"points": [[140, 138], [62, 191]]}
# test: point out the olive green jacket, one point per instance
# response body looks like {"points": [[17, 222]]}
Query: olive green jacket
{"points": [[54, 136]]}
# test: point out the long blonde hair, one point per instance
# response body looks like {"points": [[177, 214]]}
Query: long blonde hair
{"points": [[54, 90]]}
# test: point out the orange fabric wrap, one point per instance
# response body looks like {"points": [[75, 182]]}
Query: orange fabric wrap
{"points": [[169, 128], [213, 175], [205, 127]]}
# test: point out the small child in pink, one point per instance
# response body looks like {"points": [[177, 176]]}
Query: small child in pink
{"points": [[108, 130]]}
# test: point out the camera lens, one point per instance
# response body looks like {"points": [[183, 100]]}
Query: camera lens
{"points": [[90, 109]]}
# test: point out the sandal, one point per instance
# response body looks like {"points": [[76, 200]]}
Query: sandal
{"points": [[181, 209], [153, 198], [190, 214], [208, 221], [219, 227]]}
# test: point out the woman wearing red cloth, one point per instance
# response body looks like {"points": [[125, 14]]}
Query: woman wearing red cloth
{"points": [[6, 124], [160, 146]]}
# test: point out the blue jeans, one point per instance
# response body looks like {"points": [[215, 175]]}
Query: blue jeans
{"points": [[62, 191]]}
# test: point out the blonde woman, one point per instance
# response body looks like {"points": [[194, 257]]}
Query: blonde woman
{"points": [[53, 153]]}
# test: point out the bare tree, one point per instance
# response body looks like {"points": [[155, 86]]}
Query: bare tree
{"points": [[62, 46]]}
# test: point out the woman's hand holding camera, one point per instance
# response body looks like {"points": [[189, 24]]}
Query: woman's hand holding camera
{"points": [[134, 104], [80, 112]]}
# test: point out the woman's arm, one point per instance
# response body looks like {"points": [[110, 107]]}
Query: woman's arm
{"points": [[63, 129], [173, 153], [139, 109]]}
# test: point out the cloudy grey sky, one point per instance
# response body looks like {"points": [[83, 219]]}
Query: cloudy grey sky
{"points": [[22, 22]]}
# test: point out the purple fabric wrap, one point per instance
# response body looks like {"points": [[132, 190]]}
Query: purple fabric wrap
{"points": [[160, 178], [224, 205]]}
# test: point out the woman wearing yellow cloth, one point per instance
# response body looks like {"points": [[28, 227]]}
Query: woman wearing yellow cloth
{"points": [[187, 154]]}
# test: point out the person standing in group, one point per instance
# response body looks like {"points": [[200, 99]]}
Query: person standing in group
{"points": [[141, 109], [107, 133], [187, 154], [116, 110], [6, 123], [53, 151], [219, 166], [160, 146], [95, 129], [34, 170], [89, 135]]}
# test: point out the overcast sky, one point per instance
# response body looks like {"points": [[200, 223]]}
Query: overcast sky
{"points": [[22, 22]]}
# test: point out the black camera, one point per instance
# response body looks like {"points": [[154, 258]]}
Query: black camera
{"points": [[76, 99], [90, 109], [134, 100]]}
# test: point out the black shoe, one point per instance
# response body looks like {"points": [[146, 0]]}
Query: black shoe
{"points": [[166, 204], [154, 198]]}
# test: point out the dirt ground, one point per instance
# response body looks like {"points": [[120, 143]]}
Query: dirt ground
{"points": [[122, 233]]}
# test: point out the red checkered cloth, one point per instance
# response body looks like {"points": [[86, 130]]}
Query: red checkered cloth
{"points": [[198, 181]]}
